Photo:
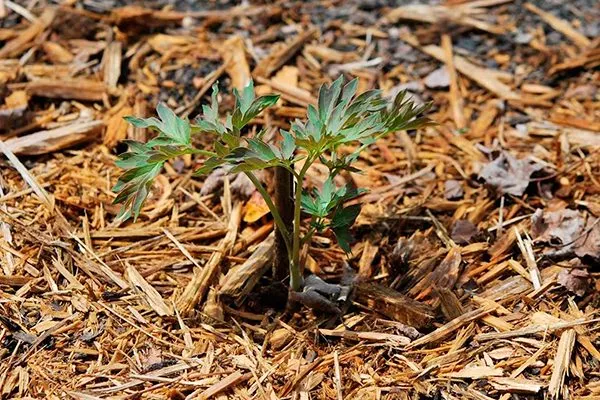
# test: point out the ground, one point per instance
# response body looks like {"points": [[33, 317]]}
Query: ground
{"points": [[475, 258]]}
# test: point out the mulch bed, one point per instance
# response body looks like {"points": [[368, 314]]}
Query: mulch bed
{"points": [[476, 253]]}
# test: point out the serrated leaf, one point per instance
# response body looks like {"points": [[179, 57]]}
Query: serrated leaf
{"points": [[345, 216], [165, 153], [208, 126], [151, 122], [211, 113], [245, 101], [133, 187], [343, 237], [250, 164], [237, 118], [135, 146], [326, 195], [261, 149], [350, 90], [328, 96], [160, 140], [314, 123], [309, 204], [288, 145], [209, 165], [220, 149], [259, 105], [174, 127]]}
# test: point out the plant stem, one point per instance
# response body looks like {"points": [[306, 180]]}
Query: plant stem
{"points": [[295, 275], [276, 216], [307, 237], [284, 192]]}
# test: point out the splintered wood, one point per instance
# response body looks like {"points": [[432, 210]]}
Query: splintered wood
{"points": [[473, 270]]}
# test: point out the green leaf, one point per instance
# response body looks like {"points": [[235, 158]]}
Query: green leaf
{"points": [[326, 195], [208, 126], [248, 107], [350, 90], [288, 146], [211, 113], [165, 153], [328, 96], [171, 128], [145, 122], [133, 187], [259, 105], [309, 204], [343, 237], [261, 149], [220, 149], [250, 164], [315, 125], [209, 165], [245, 100], [175, 128], [345, 216]]}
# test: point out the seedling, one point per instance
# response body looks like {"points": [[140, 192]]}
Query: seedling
{"points": [[341, 118]]}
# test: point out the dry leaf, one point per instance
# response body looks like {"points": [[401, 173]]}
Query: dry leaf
{"points": [[255, 208], [509, 175], [463, 231], [574, 279], [567, 232]]}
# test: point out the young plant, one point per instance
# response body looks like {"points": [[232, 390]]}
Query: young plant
{"points": [[340, 118]]}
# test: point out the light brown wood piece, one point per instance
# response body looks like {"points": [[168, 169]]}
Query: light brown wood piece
{"points": [[393, 304], [52, 140], [233, 53], [486, 78], [57, 53], [456, 101], [111, 62], [16, 45], [204, 277], [513, 385], [116, 128], [562, 361], [277, 58], [451, 326], [74, 89], [440, 13], [562, 26]]}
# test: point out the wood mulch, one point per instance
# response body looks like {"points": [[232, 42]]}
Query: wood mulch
{"points": [[476, 252]]}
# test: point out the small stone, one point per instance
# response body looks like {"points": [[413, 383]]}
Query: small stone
{"points": [[438, 79], [453, 190]]}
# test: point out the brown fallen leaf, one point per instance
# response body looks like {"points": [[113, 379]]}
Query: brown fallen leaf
{"points": [[255, 208], [568, 233], [463, 231], [561, 229], [240, 183], [575, 280], [509, 175], [213, 181], [591, 240]]}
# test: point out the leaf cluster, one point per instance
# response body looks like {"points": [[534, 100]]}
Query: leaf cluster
{"points": [[340, 118]]}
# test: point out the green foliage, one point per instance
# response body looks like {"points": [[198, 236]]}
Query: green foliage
{"points": [[340, 118]]}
